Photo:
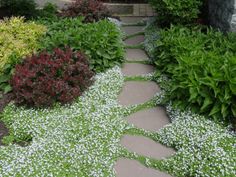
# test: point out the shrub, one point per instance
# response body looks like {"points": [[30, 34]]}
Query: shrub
{"points": [[26, 8], [45, 78], [17, 39], [101, 41], [202, 68], [91, 10], [176, 11]]}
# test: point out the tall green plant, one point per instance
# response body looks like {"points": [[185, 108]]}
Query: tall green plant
{"points": [[176, 11]]}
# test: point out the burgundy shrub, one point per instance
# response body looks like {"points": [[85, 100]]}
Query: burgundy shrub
{"points": [[46, 78], [91, 10]]}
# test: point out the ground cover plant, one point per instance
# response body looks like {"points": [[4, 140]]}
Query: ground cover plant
{"points": [[82, 139], [176, 11], [202, 68], [45, 78], [101, 41], [18, 39], [91, 10]]}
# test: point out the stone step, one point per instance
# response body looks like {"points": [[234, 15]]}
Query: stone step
{"points": [[132, 19], [135, 40], [136, 55], [128, 30], [134, 69], [145, 146], [149, 119], [132, 168], [136, 92]]}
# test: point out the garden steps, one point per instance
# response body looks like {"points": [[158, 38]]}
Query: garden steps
{"points": [[152, 119], [133, 69], [132, 168], [136, 55]]}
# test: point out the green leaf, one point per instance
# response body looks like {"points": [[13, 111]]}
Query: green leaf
{"points": [[7, 89], [207, 102], [216, 108]]}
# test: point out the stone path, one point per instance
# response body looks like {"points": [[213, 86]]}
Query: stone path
{"points": [[136, 92]]}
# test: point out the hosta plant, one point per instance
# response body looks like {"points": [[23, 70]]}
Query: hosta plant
{"points": [[202, 65], [91, 10], [46, 78]]}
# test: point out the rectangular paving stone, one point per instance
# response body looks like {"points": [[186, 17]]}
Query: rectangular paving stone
{"points": [[147, 147], [134, 69], [59, 3], [132, 168], [135, 40], [132, 29], [136, 55]]}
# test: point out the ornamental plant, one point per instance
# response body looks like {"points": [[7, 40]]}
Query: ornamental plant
{"points": [[43, 79], [201, 64], [176, 11], [101, 41], [17, 39], [91, 10]]}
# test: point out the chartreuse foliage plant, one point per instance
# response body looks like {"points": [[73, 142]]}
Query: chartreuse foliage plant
{"points": [[101, 41], [18, 39], [202, 64], [83, 138], [176, 11]]}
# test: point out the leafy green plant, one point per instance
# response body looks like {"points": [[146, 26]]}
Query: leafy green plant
{"points": [[17, 39], [176, 11], [202, 65], [101, 41]]}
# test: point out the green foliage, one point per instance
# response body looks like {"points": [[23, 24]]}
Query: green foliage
{"points": [[26, 8], [202, 67], [176, 11], [101, 41], [17, 39]]}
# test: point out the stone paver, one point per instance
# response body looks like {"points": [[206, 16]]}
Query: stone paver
{"points": [[145, 146], [59, 3], [133, 69], [131, 19], [137, 92], [132, 168], [132, 29], [149, 119], [135, 40], [135, 54]]}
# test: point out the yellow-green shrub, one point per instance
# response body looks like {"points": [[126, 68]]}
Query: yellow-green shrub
{"points": [[17, 39]]}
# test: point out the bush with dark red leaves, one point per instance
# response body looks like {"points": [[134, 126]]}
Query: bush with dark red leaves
{"points": [[91, 10], [41, 80]]}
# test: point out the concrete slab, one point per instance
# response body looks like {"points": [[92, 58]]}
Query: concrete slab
{"points": [[149, 119], [59, 3], [132, 29], [134, 69], [135, 40], [131, 19], [132, 168], [147, 147], [136, 92], [135, 54]]}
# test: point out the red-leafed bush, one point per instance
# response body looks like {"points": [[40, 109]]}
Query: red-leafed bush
{"points": [[46, 78], [91, 10]]}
